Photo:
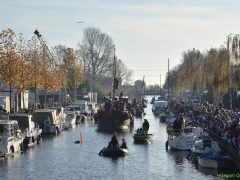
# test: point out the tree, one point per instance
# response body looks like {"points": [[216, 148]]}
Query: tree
{"points": [[96, 53]]}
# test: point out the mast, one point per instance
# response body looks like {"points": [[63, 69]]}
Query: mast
{"points": [[114, 75], [142, 88]]}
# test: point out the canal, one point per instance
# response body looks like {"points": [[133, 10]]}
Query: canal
{"points": [[58, 157]]}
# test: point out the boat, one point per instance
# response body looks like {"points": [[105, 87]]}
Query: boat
{"points": [[93, 107], [11, 137], [113, 152], [183, 139], [83, 106], [48, 120], [61, 116], [211, 159], [159, 106], [143, 138], [76, 110], [152, 100], [165, 115], [139, 113], [71, 117], [114, 114], [199, 146], [32, 131]]}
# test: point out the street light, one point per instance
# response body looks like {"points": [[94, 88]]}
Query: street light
{"points": [[205, 92], [187, 92]]}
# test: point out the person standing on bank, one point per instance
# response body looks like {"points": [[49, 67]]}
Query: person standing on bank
{"points": [[145, 126]]}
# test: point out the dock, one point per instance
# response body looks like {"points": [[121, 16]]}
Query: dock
{"points": [[227, 149]]}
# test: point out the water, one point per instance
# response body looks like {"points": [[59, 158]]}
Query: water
{"points": [[58, 157]]}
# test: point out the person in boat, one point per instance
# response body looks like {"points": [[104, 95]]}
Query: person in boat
{"points": [[140, 132], [114, 141], [177, 124], [124, 144], [145, 126]]}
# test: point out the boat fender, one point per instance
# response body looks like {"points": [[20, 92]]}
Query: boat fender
{"points": [[166, 145], [57, 129], [190, 153], [33, 140], [12, 148]]}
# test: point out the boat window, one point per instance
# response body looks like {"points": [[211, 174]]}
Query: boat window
{"points": [[187, 130], [10, 139]]}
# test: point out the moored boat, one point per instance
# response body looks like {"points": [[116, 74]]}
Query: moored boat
{"points": [[32, 131], [48, 121], [184, 138], [199, 146], [11, 137], [211, 159], [111, 152]]}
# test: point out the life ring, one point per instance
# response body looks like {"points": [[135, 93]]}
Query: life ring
{"points": [[47, 122]]}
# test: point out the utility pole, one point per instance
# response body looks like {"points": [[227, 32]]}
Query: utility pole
{"points": [[168, 78]]}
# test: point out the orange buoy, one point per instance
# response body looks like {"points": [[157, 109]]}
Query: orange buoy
{"points": [[81, 137]]}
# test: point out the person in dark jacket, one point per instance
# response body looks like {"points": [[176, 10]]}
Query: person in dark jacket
{"points": [[145, 125], [124, 144], [114, 141]]}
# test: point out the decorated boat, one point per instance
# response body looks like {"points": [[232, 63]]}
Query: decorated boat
{"points": [[114, 114]]}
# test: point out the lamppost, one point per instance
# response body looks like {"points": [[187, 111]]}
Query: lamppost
{"points": [[187, 92], [205, 92]]}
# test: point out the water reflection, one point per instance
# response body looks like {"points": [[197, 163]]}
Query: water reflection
{"points": [[179, 156]]}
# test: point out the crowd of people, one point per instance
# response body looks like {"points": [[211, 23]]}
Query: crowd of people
{"points": [[215, 119]]}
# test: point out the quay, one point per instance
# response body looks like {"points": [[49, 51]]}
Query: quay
{"points": [[233, 152]]}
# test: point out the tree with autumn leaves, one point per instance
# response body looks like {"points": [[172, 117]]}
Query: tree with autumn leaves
{"points": [[28, 64], [217, 70]]}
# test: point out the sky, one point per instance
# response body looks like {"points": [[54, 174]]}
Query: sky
{"points": [[146, 33]]}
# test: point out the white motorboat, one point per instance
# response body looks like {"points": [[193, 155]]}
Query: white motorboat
{"points": [[204, 141], [76, 110], [184, 138], [211, 159], [159, 106], [83, 107], [61, 115], [31, 129], [71, 117], [48, 121], [11, 137]]}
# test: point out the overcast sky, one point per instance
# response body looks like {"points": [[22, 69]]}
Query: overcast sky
{"points": [[145, 32]]}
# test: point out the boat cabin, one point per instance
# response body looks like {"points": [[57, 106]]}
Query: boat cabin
{"points": [[160, 106], [8, 130], [24, 120], [82, 106], [40, 115]]}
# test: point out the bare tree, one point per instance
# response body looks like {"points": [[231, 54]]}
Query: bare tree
{"points": [[96, 52]]}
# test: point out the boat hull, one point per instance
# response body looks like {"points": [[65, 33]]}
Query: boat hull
{"points": [[209, 163], [146, 138], [31, 141], [111, 152], [8, 148], [113, 123]]}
